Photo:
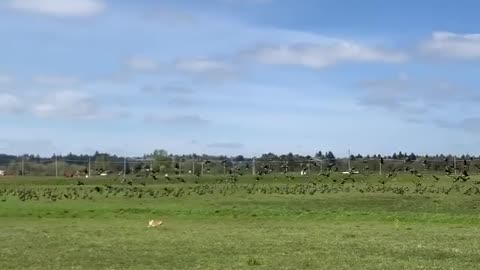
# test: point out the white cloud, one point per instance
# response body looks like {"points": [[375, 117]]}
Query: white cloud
{"points": [[59, 8], [172, 89], [321, 55], [207, 69], [60, 81], [202, 65], [169, 16], [469, 124], [177, 120], [142, 64], [5, 79], [451, 45], [67, 104], [9, 103], [180, 101], [418, 100]]}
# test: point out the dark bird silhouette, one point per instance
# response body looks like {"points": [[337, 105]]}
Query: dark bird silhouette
{"points": [[460, 177], [181, 179], [330, 165], [327, 174], [448, 170]]}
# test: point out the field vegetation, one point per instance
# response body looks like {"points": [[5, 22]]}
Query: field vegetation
{"points": [[273, 221]]}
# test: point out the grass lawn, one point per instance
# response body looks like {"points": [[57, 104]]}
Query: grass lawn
{"points": [[238, 230]]}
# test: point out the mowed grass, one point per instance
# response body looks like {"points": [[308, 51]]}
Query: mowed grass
{"points": [[344, 230]]}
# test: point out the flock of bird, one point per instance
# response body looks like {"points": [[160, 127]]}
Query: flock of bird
{"points": [[324, 182], [229, 187], [145, 172]]}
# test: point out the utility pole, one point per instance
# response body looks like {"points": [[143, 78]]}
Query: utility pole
{"points": [[455, 164], [89, 167], [56, 166], [308, 166], [193, 165], [253, 167], [201, 171], [380, 168], [125, 168], [23, 165], [349, 157]]}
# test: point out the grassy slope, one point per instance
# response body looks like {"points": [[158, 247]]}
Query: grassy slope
{"points": [[240, 231]]}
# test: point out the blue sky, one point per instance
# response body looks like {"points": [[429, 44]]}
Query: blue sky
{"points": [[239, 76]]}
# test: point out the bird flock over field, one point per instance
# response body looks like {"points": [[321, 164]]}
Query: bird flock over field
{"points": [[148, 183]]}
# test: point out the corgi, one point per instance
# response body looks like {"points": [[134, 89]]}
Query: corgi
{"points": [[155, 223]]}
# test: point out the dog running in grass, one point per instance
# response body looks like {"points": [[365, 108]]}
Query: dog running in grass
{"points": [[155, 223]]}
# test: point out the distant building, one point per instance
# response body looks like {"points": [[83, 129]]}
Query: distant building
{"points": [[2, 173]]}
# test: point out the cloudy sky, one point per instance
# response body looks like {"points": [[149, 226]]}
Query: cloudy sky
{"points": [[239, 76]]}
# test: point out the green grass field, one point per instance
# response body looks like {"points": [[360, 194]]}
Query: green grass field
{"points": [[271, 223]]}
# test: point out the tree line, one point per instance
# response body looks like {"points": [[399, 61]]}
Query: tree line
{"points": [[162, 161]]}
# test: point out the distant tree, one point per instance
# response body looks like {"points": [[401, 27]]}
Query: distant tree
{"points": [[269, 156], [330, 156], [160, 153], [394, 156], [101, 161], [239, 158], [412, 157], [319, 155]]}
